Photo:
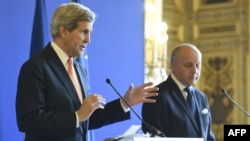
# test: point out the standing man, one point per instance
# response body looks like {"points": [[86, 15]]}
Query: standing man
{"points": [[53, 101], [181, 110]]}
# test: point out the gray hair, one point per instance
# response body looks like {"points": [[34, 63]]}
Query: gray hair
{"points": [[68, 15]]}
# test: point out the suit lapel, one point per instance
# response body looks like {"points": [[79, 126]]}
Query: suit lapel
{"points": [[62, 75], [197, 117], [183, 104], [177, 95], [180, 99], [201, 123], [82, 75]]}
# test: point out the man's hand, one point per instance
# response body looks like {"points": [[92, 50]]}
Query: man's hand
{"points": [[139, 94], [89, 105]]}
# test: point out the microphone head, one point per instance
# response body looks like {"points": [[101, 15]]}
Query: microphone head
{"points": [[108, 81], [223, 90]]}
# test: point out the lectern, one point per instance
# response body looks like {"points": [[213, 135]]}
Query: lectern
{"points": [[142, 137]]}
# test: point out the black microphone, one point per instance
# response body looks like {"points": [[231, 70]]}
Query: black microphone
{"points": [[243, 110], [154, 131]]}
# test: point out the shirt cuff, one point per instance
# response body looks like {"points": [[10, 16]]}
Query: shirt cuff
{"points": [[123, 107], [77, 120]]}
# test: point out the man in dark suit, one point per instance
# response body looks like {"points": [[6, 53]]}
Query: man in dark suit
{"points": [[171, 113], [53, 101]]}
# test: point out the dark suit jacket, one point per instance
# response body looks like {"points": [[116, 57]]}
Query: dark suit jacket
{"points": [[46, 101], [171, 116]]}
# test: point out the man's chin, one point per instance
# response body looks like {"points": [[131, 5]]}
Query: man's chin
{"points": [[80, 53]]}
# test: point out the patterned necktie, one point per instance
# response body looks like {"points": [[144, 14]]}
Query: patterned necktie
{"points": [[190, 100], [73, 76]]}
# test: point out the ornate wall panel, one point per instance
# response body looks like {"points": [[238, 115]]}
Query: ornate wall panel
{"points": [[213, 30], [220, 29], [220, 71]]}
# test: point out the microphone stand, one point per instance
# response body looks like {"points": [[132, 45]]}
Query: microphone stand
{"points": [[154, 131], [237, 105]]}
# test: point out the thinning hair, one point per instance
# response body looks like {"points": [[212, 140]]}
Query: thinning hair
{"points": [[175, 52], [68, 15]]}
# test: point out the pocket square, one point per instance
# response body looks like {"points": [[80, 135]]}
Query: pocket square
{"points": [[204, 111]]}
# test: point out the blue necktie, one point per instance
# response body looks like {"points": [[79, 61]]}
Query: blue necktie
{"points": [[190, 100]]}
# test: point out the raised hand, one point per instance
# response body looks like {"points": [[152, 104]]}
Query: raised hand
{"points": [[139, 94]]}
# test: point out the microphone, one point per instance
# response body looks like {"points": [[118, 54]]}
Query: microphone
{"points": [[154, 131], [243, 110]]}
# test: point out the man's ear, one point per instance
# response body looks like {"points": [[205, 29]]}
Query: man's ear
{"points": [[63, 31], [172, 65]]}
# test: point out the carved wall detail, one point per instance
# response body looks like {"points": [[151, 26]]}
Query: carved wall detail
{"points": [[217, 74], [220, 29], [216, 30]]}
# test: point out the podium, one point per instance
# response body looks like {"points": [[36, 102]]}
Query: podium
{"points": [[132, 134], [143, 137]]}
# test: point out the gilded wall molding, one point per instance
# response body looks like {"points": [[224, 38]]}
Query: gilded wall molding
{"points": [[220, 29]]}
